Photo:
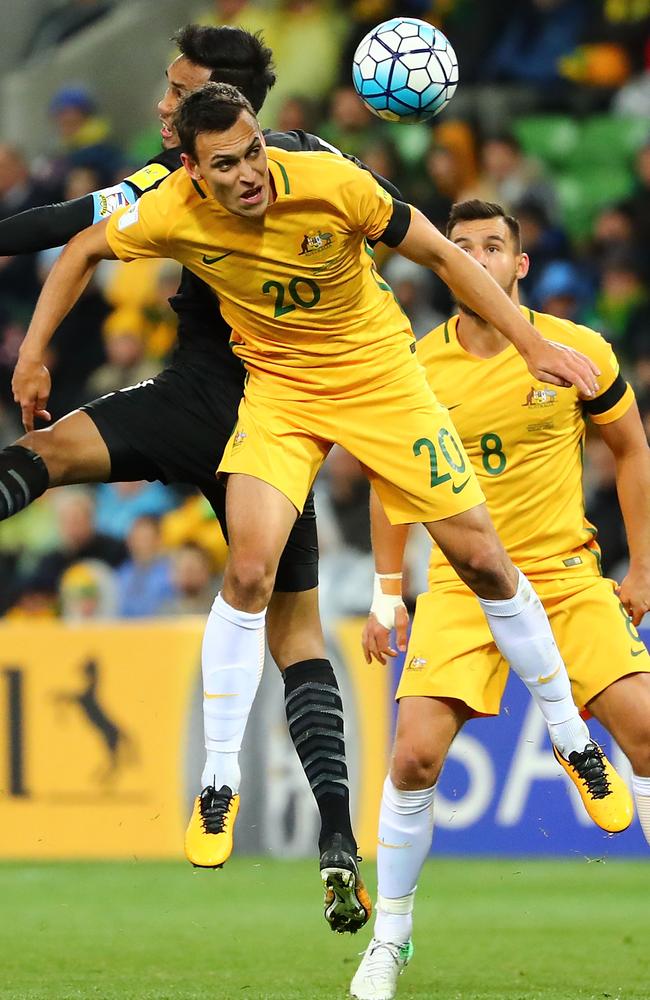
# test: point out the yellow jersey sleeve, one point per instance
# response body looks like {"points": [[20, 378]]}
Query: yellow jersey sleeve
{"points": [[615, 395], [367, 206], [141, 230]]}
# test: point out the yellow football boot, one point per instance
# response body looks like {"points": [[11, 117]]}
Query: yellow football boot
{"points": [[604, 794], [209, 835]]}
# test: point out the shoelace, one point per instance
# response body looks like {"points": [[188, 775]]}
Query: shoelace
{"points": [[590, 766], [376, 962], [214, 808]]}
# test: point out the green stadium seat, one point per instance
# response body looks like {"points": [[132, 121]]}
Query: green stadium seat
{"points": [[552, 138], [607, 139], [583, 192]]}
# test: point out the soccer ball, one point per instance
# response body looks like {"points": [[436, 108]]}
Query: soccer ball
{"points": [[405, 70]]}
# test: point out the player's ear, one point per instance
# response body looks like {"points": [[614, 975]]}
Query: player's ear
{"points": [[523, 266], [191, 166]]}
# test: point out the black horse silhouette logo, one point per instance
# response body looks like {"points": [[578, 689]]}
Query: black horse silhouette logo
{"points": [[120, 747]]}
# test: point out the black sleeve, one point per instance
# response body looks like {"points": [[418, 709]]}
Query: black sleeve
{"points": [[45, 227], [305, 142], [608, 399], [397, 228]]}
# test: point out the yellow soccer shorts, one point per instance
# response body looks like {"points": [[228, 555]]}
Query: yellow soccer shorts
{"points": [[451, 653], [403, 437]]}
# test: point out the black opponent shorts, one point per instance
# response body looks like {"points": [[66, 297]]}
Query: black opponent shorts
{"points": [[174, 428]]}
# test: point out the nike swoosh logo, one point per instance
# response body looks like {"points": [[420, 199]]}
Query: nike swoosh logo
{"points": [[547, 680], [395, 847], [459, 489], [638, 652], [213, 260], [206, 695], [455, 406]]}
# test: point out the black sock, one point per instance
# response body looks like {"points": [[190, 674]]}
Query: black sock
{"points": [[23, 478], [312, 701]]}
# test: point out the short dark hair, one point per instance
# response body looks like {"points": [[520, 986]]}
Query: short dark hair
{"points": [[233, 56], [215, 107], [475, 210]]}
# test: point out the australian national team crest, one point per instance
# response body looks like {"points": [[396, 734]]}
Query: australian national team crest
{"points": [[315, 242], [540, 397]]}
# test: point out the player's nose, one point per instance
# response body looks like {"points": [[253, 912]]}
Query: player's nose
{"points": [[165, 105], [247, 174]]}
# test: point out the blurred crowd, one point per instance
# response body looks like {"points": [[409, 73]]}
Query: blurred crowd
{"points": [[551, 119]]}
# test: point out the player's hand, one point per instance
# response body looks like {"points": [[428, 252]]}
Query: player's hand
{"points": [[634, 593], [31, 385], [561, 365], [376, 637]]}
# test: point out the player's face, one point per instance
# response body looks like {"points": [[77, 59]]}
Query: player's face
{"points": [[234, 167], [183, 77], [490, 242]]}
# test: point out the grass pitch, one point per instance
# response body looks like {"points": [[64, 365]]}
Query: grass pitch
{"points": [[488, 930]]}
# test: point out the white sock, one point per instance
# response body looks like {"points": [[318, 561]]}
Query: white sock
{"points": [[641, 789], [232, 658], [405, 832], [522, 632]]}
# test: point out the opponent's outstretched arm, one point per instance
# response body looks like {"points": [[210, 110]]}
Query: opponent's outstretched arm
{"points": [[471, 284], [65, 283]]}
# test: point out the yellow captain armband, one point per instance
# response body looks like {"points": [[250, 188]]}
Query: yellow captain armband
{"points": [[147, 177]]}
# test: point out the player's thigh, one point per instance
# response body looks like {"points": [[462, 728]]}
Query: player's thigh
{"points": [[451, 653], [73, 450], [624, 710], [173, 427], [272, 441], [426, 728], [298, 566], [594, 634], [414, 457], [472, 546], [260, 518]]}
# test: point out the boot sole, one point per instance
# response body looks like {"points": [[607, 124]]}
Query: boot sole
{"points": [[347, 904]]}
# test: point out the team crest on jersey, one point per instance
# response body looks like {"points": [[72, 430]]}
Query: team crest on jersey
{"points": [[540, 397], [315, 242], [416, 663], [239, 438]]}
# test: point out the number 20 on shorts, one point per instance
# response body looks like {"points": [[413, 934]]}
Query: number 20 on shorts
{"points": [[446, 444]]}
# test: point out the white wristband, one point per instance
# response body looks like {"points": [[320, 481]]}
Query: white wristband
{"points": [[384, 605]]}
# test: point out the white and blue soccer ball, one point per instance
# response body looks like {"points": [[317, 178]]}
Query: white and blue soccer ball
{"points": [[405, 70]]}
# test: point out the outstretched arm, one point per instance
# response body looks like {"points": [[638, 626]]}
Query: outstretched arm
{"points": [[65, 283], [472, 285], [626, 439], [388, 609], [45, 227]]}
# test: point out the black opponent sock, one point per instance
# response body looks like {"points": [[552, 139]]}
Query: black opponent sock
{"points": [[314, 710], [23, 478]]}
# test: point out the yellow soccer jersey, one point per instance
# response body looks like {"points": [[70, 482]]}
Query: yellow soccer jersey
{"points": [[298, 286], [525, 440]]}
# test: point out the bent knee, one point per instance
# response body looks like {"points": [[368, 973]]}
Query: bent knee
{"points": [[487, 572], [415, 767], [45, 446], [72, 449], [250, 579]]}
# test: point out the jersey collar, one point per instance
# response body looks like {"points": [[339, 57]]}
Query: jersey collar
{"points": [[280, 179]]}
